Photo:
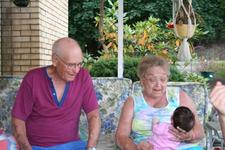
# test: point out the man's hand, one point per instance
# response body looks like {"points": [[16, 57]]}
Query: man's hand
{"points": [[19, 132], [217, 98]]}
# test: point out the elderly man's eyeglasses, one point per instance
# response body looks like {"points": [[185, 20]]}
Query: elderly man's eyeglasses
{"points": [[70, 65]]}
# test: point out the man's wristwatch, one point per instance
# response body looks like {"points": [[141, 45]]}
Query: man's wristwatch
{"points": [[91, 148]]}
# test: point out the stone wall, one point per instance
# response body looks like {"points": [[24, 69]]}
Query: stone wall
{"points": [[28, 33]]}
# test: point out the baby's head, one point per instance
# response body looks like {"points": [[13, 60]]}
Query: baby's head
{"points": [[183, 118]]}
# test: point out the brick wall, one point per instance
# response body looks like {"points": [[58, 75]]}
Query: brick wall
{"points": [[0, 34], [28, 33]]}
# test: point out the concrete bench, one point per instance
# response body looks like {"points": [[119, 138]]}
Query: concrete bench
{"points": [[111, 93]]}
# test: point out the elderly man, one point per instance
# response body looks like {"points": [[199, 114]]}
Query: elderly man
{"points": [[48, 104]]}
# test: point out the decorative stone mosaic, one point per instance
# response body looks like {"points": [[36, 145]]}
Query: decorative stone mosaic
{"points": [[111, 93], [8, 88]]}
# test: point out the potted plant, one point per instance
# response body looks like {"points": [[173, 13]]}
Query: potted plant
{"points": [[184, 21]]}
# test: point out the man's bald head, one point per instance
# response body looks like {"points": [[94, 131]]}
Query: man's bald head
{"points": [[65, 45]]}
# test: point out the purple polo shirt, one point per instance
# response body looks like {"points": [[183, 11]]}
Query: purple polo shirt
{"points": [[48, 122]]}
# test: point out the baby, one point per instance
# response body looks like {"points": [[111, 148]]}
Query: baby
{"points": [[161, 138]]}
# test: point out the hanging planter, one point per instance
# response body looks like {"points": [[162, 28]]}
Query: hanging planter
{"points": [[21, 3], [184, 25]]}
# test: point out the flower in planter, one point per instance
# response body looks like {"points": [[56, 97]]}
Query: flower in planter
{"points": [[170, 25]]}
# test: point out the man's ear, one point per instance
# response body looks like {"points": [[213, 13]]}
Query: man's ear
{"points": [[54, 60]]}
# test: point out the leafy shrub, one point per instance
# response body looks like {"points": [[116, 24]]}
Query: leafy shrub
{"points": [[82, 15], [108, 68], [175, 74], [104, 68], [210, 17], [149, 36]]}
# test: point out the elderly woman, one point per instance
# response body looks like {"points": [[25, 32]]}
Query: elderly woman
{"points": [[155, 100]]}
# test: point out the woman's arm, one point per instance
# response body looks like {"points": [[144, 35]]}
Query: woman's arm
{"points": [[197, 132], [124, 126]]}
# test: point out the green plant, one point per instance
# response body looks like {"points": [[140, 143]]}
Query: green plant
{"points": [[82, 26], [88, 60], [104, 68], [108, 68], [194, 77], [175, 74], [184, 76], [210, 17], [144, 37], [82, 23], [140, 38]]}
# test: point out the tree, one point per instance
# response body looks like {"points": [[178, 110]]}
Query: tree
{"points": [[82, 27]]}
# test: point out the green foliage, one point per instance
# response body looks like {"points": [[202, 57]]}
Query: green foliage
{"points": [[140, 38], [104, 68], [82, 26], [211, 18], [130, 68], [88, 60], [194, 77], [175, 74], [144, 37], [180, 76], [139, 10], [108, 68], [82, 23]]}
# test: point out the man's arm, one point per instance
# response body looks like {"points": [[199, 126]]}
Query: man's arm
{"points": [[19, 132], [94, 126], [218, 101]]}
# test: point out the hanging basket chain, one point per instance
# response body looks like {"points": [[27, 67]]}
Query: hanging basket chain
{"points": [[184, 26]]}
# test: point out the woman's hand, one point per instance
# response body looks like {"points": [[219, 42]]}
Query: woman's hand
{"points": [[180, 134], [144, 146]]}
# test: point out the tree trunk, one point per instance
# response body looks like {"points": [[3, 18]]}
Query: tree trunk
{"points": [[101, 23]]}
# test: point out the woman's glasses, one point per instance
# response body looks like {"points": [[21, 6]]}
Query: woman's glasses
{"points": [[158, 79]]}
